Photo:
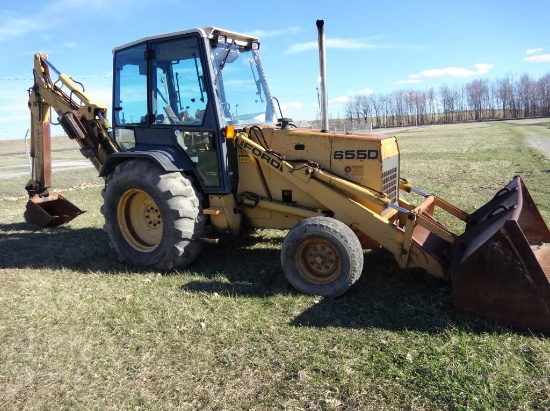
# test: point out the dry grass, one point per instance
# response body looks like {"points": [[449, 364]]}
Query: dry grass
{"points": [[15, 170], [79, 330], [20, 146]]}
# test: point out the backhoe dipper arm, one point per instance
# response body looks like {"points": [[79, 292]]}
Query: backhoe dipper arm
{"points": [[82, 119]]}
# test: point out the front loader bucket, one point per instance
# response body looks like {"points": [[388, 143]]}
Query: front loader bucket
{"points": [[500, 267], [49, 211]]}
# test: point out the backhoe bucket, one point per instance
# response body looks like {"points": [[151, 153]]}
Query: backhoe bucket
{"points": [[49, 211], [500, 267]]}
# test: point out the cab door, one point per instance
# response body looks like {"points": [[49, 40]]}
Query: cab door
{"points": [[181, 117]]}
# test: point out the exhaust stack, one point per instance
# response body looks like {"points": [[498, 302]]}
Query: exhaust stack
{"points": [[323, 75]]}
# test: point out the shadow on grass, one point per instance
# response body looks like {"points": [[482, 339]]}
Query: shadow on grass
{"points": [[384, 297], [80, 249], [403, 300], [249, 266]]}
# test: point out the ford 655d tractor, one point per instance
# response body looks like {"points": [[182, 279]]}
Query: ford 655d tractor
{"points": [[196, 149]]}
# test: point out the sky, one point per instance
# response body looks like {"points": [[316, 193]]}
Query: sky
{"points": [[371, 47]]}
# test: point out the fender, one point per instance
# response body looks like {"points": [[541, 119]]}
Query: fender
{"points": [[167, 158]]}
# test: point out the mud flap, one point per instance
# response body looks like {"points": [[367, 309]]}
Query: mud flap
{"points": [[49, 211], [500, 267]]}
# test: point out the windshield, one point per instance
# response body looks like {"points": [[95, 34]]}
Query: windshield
{"points": [[240, 86]]}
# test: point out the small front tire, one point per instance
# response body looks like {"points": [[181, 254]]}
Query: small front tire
{"points": [[322, 256]]}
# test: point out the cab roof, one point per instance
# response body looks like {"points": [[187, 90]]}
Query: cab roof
{"points": [[205, 32]]}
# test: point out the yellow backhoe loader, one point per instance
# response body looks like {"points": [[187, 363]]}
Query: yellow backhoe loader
{"points": [[196, 151]]}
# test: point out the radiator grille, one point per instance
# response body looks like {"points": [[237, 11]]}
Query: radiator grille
{"points": [[389, 184]]}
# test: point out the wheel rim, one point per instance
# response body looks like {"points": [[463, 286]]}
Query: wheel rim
{"points": [[140, 220], [318, 261]]}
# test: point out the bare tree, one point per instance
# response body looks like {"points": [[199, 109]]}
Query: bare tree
{"points": [[477, 100], [364, 107], [349, 109], [543, 92], [448, 101], [421, 101], [432, 104], [377, 101], [494, 102], [399, 107], [526, 95], [411, 113], [504, 93]]}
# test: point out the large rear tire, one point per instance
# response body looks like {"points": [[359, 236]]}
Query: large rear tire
{"points": [[153, 218], [322, 256]]}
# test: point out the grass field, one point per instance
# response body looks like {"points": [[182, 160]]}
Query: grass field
{"points": [[79, 330]]}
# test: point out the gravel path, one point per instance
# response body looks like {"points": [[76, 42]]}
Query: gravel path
{"points": [[540, 143], [538, 137]]}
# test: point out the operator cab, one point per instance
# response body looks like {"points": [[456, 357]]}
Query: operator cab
{"points": [[174, 95]]}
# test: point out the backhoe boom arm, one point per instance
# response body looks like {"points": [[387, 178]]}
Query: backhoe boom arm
{"points": [[82, 119]]}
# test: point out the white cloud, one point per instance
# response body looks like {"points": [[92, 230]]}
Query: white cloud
{"points": [[480, 69], [300, 47], [365, 91], [408, 81], [339, 100], [70, 45], [453, 72], [539, 58], [342, 44], [14, 117], [64, 6], [293, 105], [348, 44], [536, 57], [344, 99], [534, 51], [273, 33], [295, 109], [15, 27], [101, 95]]}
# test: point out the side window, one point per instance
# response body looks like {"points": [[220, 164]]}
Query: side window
{"points": [[199, 146], [178, 92], [130, 98]]}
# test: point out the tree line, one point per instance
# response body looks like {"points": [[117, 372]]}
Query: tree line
{"points": [[478, 100]]}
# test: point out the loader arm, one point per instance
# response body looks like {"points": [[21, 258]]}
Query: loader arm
{"points": [[403, 230], [82, 119]]}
